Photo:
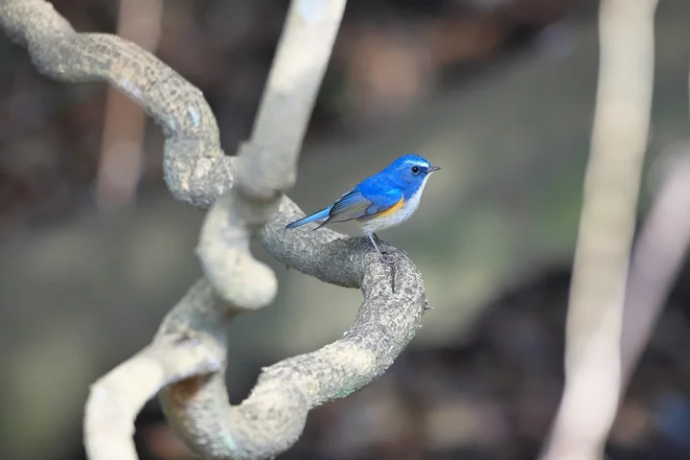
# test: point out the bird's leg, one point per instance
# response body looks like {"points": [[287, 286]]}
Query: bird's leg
{"points": [[371, 238], [373, 241], [379, 240]]}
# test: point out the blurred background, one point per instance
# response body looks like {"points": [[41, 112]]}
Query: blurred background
{"points": [[500, 93]]}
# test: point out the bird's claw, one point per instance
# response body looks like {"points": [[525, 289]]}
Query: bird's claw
{"points": [[387, 257]]}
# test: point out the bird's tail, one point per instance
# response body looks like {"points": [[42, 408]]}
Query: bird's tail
{"points": [[321, 215]]}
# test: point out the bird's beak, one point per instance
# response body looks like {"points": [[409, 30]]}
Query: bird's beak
{"points": [[433, 168]]}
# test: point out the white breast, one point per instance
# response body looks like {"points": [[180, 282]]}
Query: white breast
{"points": [[384, 222]]}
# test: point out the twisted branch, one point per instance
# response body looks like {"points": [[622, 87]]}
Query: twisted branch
{"points": [[187, 358]]}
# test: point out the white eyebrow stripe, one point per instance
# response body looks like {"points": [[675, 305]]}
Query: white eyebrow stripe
{"points": [[418, 163]]}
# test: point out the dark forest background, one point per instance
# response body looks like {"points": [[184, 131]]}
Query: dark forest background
{"points": [[500, 93]]}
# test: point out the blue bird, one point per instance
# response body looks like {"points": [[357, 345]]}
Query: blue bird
{"points": [[386, 199]]}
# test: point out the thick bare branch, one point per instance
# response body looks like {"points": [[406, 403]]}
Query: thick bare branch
{"points": [[117, 397], [272, 418], [595, 314], [267, 164], [188, 354]]}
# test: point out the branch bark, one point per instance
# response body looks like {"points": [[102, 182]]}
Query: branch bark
{"points": [[595, 312], [186, 359]]}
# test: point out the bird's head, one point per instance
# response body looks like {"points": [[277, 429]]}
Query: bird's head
{"points": [[411, 171]]}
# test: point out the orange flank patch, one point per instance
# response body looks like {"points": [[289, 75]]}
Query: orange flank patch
{"points": [[393, 209]]}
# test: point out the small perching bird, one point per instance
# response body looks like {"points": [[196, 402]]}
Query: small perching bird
{"points": [[386, 199]]}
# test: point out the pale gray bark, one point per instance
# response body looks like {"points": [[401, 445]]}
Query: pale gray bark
{"points": [[186, 359]]}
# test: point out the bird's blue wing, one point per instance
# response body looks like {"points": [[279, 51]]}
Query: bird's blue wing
{"points": [[356, 204]]}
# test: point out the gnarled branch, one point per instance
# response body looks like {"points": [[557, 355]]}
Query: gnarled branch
{"points": [[187, 357]]}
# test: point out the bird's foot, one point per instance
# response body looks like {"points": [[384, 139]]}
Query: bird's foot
{"points": [[387, 258], [388, 255], [385, 254]]}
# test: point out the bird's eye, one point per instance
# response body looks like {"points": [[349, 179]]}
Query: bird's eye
{"points": [[415, 169]]}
